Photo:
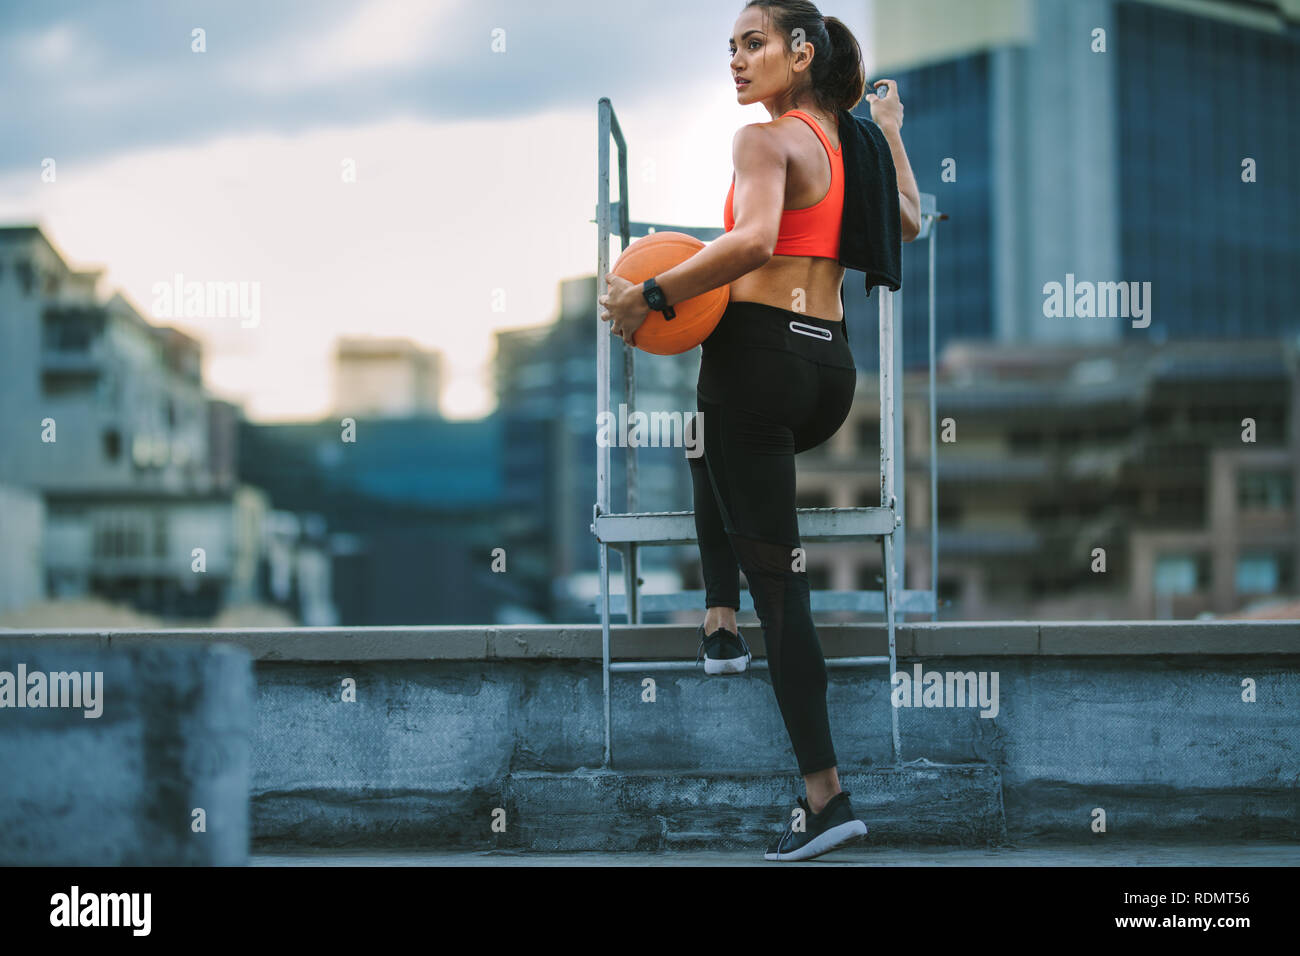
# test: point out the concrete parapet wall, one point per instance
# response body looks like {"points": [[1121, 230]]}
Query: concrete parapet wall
{"points": [[172, 737], [1144, 722]]}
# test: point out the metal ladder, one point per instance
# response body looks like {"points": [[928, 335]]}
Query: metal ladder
{"points": [[627, 532]]}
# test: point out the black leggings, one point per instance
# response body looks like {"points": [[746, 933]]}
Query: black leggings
{"points": [[772, 383]]}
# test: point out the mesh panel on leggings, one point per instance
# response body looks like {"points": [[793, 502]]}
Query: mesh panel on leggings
{"points": [[782, 602]]}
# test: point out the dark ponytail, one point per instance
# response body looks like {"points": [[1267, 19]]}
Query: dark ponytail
{"points": [[839, 80]]}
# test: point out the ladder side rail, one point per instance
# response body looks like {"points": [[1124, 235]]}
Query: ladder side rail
{"points": [[934, 420], [899, 458], [631, 558], [887, 500], [607, 126]]}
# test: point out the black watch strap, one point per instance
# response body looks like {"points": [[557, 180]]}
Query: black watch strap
{"points": [[656, 298]]}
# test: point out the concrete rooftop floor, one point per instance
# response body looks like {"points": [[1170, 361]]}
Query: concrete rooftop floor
{"points": [[1128, 854]]}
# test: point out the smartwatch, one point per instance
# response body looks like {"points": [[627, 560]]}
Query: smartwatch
{"points": [[655, 296]]}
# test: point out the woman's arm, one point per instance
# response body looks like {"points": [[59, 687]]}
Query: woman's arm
{"points": [[909, 197], [887, 113], [759, 198]]}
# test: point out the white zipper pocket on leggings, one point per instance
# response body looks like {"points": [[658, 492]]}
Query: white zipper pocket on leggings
{"points": [[815, 332]]}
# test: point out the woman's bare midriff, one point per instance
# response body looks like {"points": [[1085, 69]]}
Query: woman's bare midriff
{"points": [[805, 284]]}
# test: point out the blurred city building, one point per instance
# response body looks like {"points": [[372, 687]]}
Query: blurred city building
{"points": [[117, 472], [1116, 166], [380, 377], [413, 506], [545, 381], [1181, 462]]}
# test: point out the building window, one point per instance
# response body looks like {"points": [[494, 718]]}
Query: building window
{"points": [[112, 444], [109, 540], [1112, 434], [534, 376], [55, 383], [949, 590], [1261, 572], [134, 541], [1023, 440], [160, 535], [1181, 573], [868, 435], [869, 578], [1180, 501], [26, 276], [68, 330], [1159, 418], [1264, 490], [1045, 512]]}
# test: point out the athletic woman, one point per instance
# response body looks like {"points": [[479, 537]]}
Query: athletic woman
{"points": [[776, 375]]}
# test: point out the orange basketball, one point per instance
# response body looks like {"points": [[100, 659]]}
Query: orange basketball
{"points": [[695, 317]]}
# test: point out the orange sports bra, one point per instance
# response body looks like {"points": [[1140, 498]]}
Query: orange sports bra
{"points": [[813, 230]]}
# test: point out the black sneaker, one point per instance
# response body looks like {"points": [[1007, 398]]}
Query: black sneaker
{"points": [[834, 827], [724, 652]]}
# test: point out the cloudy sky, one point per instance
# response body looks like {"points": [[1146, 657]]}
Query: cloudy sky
{"points": [[475, 168]]}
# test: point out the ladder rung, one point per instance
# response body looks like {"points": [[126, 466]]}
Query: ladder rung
{"points": [[678, 527], [907, 602], [760, 664]]}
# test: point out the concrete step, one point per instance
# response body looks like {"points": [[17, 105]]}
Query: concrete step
{"points": [[604, 810]]}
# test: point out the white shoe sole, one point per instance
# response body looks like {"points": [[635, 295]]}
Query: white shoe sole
{"points": [[835, 837], [735, 665]]}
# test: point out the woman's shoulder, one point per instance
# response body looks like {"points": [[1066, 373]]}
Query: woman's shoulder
{"points": [[794, 121], [758, 135], [780, 134], [779, 128]]}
